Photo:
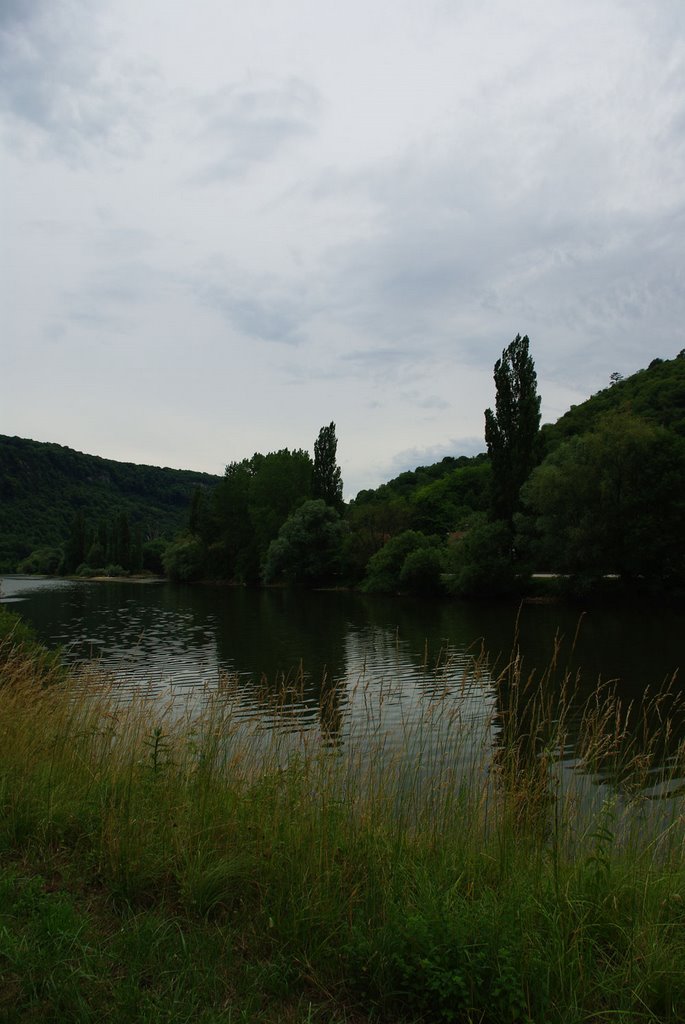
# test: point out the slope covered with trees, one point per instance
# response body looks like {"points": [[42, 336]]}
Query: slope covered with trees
{"points": [[46, 489], [599, 493], [655, 394], [609, 496]]}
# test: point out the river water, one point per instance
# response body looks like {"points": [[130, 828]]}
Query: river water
{"points": [[348, 658]]}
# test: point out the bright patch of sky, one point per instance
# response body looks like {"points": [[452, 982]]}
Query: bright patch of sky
{"points": [[225, 225]]}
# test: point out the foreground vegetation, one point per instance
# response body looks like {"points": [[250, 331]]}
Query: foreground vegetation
{"points": [[166, 867]]}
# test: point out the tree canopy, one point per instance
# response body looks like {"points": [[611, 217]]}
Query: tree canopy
{"points": [[308, 547], [602, 491], [512, 429], [326, 476]]}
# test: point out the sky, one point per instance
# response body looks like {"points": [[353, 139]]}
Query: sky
{"points": [[224, 225]]}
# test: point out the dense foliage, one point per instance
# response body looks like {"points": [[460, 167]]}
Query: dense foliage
{"points": [[656, 395], [248, 508], [327, 477], [308, 547], [511, 430], [611, 500], [44, 487], [597, 495], [600, 494]]}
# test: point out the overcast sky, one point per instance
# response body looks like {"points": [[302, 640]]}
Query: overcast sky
{"points": [[224, 224]]}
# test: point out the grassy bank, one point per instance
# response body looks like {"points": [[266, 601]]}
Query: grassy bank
{"points": [[161, 868]]}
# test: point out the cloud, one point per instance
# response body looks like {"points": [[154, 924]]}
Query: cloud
{"points": [[251, 123], [385, 362], [60, 87], [459, 262], [411, 458], [259, 306], [202, 196]]}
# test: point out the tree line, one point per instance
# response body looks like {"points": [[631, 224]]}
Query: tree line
{"points": [[44, 486], [265, 508], [600, 493]]}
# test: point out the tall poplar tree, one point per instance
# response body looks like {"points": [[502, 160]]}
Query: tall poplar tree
{"points": [[327, 478], [511, 430]]}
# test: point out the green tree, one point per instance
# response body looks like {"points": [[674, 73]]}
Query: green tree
{"points": [[511, 430], [232, 549], [480, 564], [153, 555], [307, 549], [422, 570], [44, 561], [122, 533], [96, 555], [372, 521], [451, 502], [199, 515], [248, 508], [137, 549], [384, 571], [183, 560], [78, 543], [326, 476], [281, 482], [610, 501]]}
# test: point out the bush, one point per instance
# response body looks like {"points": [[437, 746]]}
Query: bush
{"points": [[42, 562], [12, 628], [115, 570], [307, 549], [183, 560], [20, 645], [422, 569], [482, 563], [384, 571], [153, 555]]}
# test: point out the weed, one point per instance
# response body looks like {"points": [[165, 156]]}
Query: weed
{"points": [[167, 867]]}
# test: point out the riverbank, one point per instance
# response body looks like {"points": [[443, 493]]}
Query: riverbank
{"points": [[199, 869]]}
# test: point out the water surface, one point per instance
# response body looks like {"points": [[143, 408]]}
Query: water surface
{"points": [[347, 657]]}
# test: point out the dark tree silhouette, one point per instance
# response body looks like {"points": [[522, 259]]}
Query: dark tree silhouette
{"points": [[511, 430], [327, 479]]}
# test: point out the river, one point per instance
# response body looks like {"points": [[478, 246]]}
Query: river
{"points": [[339, 650]]}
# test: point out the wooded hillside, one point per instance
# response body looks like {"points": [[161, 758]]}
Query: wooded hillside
{"points": [[43, 486]]}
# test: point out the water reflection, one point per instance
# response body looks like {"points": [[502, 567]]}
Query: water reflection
{"points": [[334, 665]]}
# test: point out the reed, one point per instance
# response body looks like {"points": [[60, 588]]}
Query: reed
{"points": [[160, 865]]}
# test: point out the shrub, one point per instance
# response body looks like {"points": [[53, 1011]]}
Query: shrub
{"points": [[422, 570], [482, 563], [43, 562], [307, 549], [183, 560], [384, 571]]}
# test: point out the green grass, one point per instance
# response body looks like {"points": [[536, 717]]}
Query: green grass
{"points": [[157, 868]]}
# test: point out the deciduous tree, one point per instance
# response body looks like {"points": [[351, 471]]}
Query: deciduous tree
{"points": [[307, 549], [511, 430], [327, 478]]}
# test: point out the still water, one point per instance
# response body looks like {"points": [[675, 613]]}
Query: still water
{"points": [[349, 656]]}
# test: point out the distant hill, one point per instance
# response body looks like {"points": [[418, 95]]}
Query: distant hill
{"points": [[450, 495], [656, 394], [43, 486], [413, 480]]}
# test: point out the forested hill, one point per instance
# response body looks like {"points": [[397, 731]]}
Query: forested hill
{"points": [[656, 395], [43, 486], [604, 494]]}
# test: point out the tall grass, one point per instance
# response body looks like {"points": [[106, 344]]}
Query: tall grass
{"points": [[166, 867]]}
